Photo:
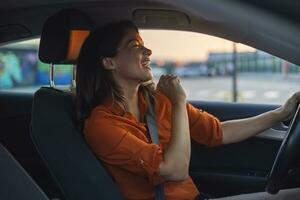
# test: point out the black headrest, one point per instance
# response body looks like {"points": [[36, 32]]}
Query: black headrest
{"points": [[63, 35]]}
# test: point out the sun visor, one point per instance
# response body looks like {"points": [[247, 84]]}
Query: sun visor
{"points": [[160, 18]]}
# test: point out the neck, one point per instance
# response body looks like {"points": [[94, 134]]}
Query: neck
{"points": [[130, 91], [131, 96]]}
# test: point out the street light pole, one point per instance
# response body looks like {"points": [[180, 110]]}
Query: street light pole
{"points": [[234, 73]]}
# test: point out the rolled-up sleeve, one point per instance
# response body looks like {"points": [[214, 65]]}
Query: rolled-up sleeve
{"points": [[117, 146], [204, 127]]}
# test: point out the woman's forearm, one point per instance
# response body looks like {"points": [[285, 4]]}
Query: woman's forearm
{"points": [[177, 156], [238, 130]]}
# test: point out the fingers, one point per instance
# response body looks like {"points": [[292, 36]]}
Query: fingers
{"points": [[296, 96], [168, 80], [170, 85], [168, 77]]}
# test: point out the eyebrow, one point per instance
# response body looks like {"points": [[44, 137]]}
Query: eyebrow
{"points": [[139, 41]]}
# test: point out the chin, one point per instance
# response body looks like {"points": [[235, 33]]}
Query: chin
{"points": [[150, 77], [147, 79]]}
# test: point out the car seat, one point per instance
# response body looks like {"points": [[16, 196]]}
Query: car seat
{"points": [[77, 171]]}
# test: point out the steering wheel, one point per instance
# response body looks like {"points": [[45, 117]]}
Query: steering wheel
{"points": [[287, 155]]}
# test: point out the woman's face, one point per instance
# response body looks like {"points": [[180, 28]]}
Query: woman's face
{"points": [[132, 62]]}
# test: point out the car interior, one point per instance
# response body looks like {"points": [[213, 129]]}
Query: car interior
{"points": [[14, 176], [43, 154]]}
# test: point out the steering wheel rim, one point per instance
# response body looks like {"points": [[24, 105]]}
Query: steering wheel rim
{"points": [[286, 156]]}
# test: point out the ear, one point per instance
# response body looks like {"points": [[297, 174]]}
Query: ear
{"points": [[108, 63]]}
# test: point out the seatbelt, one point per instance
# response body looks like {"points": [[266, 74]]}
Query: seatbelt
{"points": [[152, 129]]}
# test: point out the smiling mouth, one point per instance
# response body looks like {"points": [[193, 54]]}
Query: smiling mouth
{"points": [[146, 64]]}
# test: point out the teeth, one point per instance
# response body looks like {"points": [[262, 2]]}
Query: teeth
{"points": [[146, 63]]}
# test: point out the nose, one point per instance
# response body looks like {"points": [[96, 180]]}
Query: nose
{"points": [[147, 51]]}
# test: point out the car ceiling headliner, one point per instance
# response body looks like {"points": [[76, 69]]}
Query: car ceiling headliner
{"points": [[288, 9], [271, 25]]}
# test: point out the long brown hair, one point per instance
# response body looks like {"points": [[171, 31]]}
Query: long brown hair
{"points": [[93, 82]]}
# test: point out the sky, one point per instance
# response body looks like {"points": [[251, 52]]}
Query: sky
{"points": [[180, 46], [185, 46]]}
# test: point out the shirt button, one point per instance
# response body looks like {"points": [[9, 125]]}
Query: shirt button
{"points": [[141, 161]]}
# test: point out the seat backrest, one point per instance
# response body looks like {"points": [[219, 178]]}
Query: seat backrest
{"points": [[15, 183], [79, 174]]}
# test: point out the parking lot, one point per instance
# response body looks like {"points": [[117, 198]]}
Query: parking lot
{"points": [[252, 88]]}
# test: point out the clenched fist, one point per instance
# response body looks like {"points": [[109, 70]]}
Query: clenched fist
{"points": [[170, 85]]}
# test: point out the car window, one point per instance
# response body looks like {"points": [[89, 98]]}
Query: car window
{"points": [[205, 65], [22, 71]]}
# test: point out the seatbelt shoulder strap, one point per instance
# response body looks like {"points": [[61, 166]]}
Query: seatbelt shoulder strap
{"points": [[152, 129]]}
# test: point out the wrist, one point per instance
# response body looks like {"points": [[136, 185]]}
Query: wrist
{"points": [[278, 115]]}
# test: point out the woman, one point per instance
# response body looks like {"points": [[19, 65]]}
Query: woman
{"points": [[114, 90]]}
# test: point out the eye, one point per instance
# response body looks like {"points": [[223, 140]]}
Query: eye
{"points": [[137, 45]]}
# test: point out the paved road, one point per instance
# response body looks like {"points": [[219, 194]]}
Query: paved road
{"points": [[252, 88]]}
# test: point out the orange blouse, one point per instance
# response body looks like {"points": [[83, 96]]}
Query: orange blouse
{"points": [[124, 146]]}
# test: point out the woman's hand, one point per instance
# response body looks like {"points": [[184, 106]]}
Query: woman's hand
{"points": [[288, 109], [170, 85]]}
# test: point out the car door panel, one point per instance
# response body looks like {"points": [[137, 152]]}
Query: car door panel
{"points": [[236, 168]]}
